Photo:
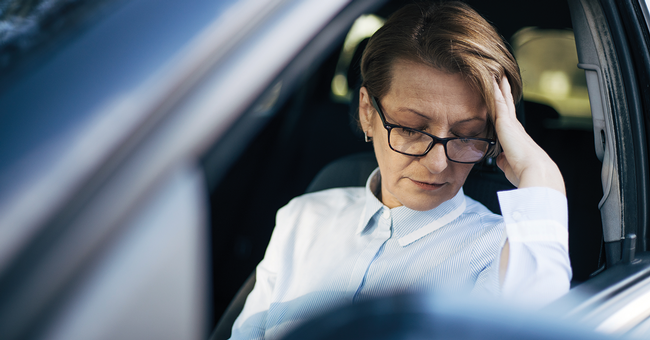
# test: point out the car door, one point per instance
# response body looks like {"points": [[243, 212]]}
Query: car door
{"points": [[612, 41], [106, 231]]}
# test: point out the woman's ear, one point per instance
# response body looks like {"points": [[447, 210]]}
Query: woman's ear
{"points": [[366, 111]]}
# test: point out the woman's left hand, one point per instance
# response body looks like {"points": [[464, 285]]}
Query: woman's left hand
{"points": [[524, 163]]}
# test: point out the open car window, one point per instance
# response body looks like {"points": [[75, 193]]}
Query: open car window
{"points": [[313, 127]]}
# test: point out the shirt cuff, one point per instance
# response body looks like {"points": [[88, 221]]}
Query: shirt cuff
{"points": [[536, 223], [533, 204]]}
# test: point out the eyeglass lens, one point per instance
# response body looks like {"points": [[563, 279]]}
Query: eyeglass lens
{"points": [[416, 143]]}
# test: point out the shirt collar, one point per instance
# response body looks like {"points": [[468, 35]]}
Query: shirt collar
{"points": [[410, 225], [373, 205]]}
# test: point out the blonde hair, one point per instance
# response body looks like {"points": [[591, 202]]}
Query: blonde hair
{"points": [[449, 36]]}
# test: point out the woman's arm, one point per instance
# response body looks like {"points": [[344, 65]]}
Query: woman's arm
{"points": [[252, 322], [526, 165]]}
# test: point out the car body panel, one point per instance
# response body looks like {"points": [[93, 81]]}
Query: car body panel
{"points": [[107, 165], [151, 283], [92, 96]]}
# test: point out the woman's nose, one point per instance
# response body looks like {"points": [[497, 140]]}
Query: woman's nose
{"points": [[436, 160]]}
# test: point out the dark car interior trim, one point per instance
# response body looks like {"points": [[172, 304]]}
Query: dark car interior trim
{"points": [[597, 55], [639, 74], [629, 125]]}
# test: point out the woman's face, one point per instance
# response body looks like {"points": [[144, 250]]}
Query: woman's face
{"points": [[434, 101]]}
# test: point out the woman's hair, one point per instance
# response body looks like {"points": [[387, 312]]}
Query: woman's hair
{"points": [[448, 36]]}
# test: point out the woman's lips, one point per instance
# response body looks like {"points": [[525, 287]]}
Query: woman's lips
{"points": [[428, 186]]}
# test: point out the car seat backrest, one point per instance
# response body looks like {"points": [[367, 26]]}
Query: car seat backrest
{"points": [[224, 328], [349, 171]]}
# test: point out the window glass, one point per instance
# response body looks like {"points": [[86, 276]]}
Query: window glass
{"points": [[548, 61], [363, 27]]}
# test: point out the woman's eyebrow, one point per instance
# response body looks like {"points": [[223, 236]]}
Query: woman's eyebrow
{"points": [[413, 111], [469, 120], [429, 118]]}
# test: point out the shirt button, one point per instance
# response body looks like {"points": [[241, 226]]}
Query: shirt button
{"points": [[386, 214], [516, 216]]}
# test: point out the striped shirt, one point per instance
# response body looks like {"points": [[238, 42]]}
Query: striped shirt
{"points": [[343, 245]]}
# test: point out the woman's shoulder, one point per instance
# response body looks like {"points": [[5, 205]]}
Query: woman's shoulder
{"points": [[316, 213], [326, 201], [332, 196]]}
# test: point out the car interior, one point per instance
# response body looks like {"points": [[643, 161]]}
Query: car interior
{"points": [[312, 142]]}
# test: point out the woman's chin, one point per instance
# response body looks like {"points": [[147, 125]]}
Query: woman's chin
{"points": [[424, 200], [422, 203], [419, 196]]}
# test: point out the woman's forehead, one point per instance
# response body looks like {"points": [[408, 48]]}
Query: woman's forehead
{"points": [[419, 90]]}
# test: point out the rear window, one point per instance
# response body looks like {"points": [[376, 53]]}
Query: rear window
{"points": [[364, 27], [548, 61]]}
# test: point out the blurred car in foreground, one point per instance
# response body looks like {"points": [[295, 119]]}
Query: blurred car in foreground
{"points": [[146, 146]]}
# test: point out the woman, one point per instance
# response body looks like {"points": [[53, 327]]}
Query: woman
{"points": [[436, 93]]}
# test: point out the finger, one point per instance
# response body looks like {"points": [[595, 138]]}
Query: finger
{"points": [[506, 114], [506, 92], [500, 102], [506, 89]]}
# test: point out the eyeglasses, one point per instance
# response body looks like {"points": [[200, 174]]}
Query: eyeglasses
{"points": [[412, 142]]}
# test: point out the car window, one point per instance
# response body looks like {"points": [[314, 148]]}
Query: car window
{"points": [[548, 61], [313, 128], [362, 28]]}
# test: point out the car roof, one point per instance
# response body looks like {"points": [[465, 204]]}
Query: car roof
{"points": [[75, 104]]}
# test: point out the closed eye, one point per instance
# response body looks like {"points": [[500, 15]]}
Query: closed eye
{"points": [[467, 135]]}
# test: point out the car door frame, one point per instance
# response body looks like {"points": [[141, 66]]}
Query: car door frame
{"points": [[205, 90], [612, 41]]}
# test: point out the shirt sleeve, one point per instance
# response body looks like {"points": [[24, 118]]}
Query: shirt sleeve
{"points": [[252, 322], [536, 227]]}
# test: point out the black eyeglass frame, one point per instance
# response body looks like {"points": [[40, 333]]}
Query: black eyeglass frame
{"points": [[389, 127]]}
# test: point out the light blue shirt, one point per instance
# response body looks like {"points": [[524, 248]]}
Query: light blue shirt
{"points": [[343, 245]]}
